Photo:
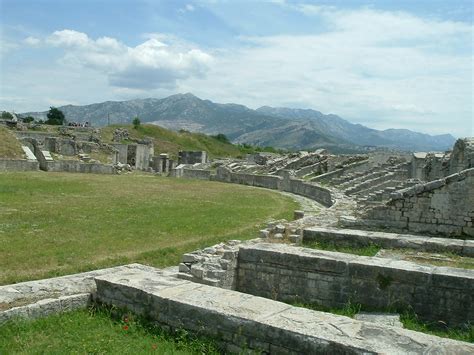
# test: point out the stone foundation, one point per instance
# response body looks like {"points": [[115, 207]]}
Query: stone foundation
{"points": [[331, 279], [241, 322]]}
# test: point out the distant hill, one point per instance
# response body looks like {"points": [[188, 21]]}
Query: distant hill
{"points": [[267, 126]]}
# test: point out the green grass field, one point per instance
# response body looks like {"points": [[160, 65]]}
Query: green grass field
{"points": [[59, 223], [96, 331]]}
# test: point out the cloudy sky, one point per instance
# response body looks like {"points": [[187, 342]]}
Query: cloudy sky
{"points": [[401, 64]]}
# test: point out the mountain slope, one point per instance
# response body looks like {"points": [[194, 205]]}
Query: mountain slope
{"points": [[266, 126]]}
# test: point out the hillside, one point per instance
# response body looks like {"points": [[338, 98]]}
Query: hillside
{"points": [[10, 147], [267, 126], [167, 141]]}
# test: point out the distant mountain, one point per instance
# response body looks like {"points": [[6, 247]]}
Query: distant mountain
{"points": [[267, 126]]}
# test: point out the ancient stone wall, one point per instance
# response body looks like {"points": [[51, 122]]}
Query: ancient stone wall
{"points": [[266, 181], [74, 166], [331, 279], [444, 206], [352, 167], [243, 323], [462, 156], [312, 191], [18, 165], [196, 174], [288, 184], [192, 157]]}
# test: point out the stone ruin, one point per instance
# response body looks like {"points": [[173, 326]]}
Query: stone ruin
{"points": [[242, 294]]}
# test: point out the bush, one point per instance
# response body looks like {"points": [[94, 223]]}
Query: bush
{"points": [[222, 138], [27, 119], [136, 122], [55, 117]]}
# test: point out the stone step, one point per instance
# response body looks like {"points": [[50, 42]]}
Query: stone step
{"points": [[47, 155], [241, 321]]}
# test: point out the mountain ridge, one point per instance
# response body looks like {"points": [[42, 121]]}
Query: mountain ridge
{"points": [[280, 127]]}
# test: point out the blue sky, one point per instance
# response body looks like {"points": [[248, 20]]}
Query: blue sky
{"points": [[385, 64]]}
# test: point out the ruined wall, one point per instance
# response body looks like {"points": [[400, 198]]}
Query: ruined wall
{"points": [[331, 279], [312, 191], [74, 166], [192, 157], [432, 166], [266, 181], [121, 155], [462, 156], [444, 206], [353, 167], [196, 174], [142, 157], [18, 165], [299, 187]]}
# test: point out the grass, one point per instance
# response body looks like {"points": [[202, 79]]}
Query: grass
{"points": [[407, 317], [441, 259], [370, 250], [437, 259], [10, 147], [54, 224], [97, 331], [171, 142]]}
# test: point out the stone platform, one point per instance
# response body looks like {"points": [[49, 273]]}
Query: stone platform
{"points": [[244, 322]]}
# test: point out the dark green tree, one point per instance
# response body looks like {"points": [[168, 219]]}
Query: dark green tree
{"points": [[7, 115], [27, 119], [222, 138], [55, 116], [136, 122]]}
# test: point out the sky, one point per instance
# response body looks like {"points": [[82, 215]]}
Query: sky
{"points": [[384, 64]]}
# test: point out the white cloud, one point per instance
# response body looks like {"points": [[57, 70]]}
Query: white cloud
{"points": [[32, 41], [384, 69], [187, 8], [157, 62]]}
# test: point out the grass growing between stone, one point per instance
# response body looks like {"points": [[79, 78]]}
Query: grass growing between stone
{"points": [[97, 331], [54, 224], [370, 250], [435, 259], [408, 318]]}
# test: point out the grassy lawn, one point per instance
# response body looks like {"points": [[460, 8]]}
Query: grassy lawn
{"points": [[96, 331], [60, 223]]}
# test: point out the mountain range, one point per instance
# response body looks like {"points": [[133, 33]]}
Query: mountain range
{"points": [[281, 127]]}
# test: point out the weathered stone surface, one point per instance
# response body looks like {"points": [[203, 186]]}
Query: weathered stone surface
{"points": [[333, 279], [442, 206], [57, 288], [360, 238], [390, 319], [242, 321]]}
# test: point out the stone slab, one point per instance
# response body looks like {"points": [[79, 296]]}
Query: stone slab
{"points": [[241, 321], [356, 238], [29, 154], [390, 319]]}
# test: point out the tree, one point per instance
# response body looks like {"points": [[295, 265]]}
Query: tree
{"points": [[7, 115], [136, 122], [222, 138], [27, 119], [55, 116]]}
